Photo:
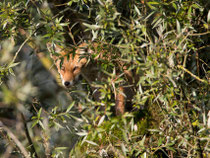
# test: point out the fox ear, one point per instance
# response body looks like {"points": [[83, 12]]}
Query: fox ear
{"points": [[84, 49], [53, 48]]}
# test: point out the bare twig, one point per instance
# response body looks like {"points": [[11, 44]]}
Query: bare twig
{"points": [[28, 136], [46, 144], [203, 47], [196, 77], [21, 46], [200, 34], [197, 63], [8, 151], [59, 5], [15, 140]]}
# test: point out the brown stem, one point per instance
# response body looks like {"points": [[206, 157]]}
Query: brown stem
{"points": [[192, 130], [15, 140], [197, 63], [28, 137]]}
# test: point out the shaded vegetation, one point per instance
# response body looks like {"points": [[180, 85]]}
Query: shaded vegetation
{"points": [[165, 44]]}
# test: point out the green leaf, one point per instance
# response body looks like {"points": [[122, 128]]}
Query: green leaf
{"points": [[160, 141], [142, 141], [154, 3], [41, 124], [69, 3], [197, 6], [82, 133], [93, 27], [11, 72], [178, 26], [61, 148], [13, 65], [123, 148], [70, 106], [76, 118], [137, 10], [91, 142], [208, 17], [35, 123], [189, 13], [57, 126], [170, 148], [154, 130], [174, 5], [39, 113], [101, 120]]}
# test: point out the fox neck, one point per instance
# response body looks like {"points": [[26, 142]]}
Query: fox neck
{"points": [[91, 73]]}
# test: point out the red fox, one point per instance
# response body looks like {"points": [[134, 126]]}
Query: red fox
{"points": [[71, 65]]}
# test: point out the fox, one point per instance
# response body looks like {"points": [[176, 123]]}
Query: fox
{"points": [[72, 65]]}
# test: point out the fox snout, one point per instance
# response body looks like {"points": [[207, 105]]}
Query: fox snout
{"points": [[68, 83]]}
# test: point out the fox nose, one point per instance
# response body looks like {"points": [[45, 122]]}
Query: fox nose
{"points": [[66, 83]]}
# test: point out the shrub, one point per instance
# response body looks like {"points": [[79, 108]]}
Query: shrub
{"points": [[164, 43]]}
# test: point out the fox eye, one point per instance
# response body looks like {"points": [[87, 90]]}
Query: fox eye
{"points": [[75, 68]]}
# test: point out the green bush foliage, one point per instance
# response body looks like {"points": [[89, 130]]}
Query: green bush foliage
{"points": [[165, 44]]}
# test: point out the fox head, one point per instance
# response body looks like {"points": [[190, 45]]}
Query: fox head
{"points": [[69, 64]]}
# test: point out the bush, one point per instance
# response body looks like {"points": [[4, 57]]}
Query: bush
{"points": [[164, 43]]}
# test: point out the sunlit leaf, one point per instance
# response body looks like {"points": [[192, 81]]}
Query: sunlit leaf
{"points": [[101, 120], [91, 142]]}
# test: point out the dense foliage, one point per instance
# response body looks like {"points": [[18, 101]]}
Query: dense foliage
{"points": [[165, 44]]}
